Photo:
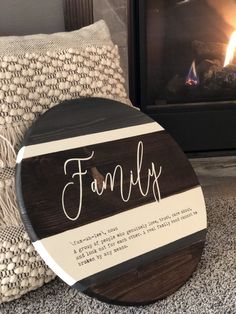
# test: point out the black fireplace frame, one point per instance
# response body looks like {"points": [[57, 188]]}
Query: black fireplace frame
{"points": [[207, 128]]}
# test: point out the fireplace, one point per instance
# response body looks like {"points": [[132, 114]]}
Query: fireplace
{"points": [[183, 69]]}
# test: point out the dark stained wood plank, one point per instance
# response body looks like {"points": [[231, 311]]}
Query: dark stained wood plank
{"points": [[177, 177], [88, 117], [149, 283]]}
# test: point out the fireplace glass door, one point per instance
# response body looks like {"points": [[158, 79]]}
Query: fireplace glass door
{"points": [[190, 51]]}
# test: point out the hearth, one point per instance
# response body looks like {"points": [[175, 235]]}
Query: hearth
{"points": [[183, 69]]}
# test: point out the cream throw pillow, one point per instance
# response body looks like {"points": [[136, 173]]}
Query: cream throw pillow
{"points": [[36, 73]]}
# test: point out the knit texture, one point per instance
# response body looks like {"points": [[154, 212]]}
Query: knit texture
{"points": [[21, 268], [36, 73]]}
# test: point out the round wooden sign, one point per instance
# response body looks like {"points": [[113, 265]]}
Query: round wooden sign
{"points": [[110, 201]]}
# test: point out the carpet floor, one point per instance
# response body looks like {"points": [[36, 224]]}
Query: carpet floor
{"points": [[211, 289]]}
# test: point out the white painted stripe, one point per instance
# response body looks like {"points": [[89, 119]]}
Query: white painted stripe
{"points": [[20, 155], [58, 251], [90, 139], [52, 264]]}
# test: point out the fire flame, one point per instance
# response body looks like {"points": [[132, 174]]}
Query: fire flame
{"points": [[230, 49], [192, 78]]}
